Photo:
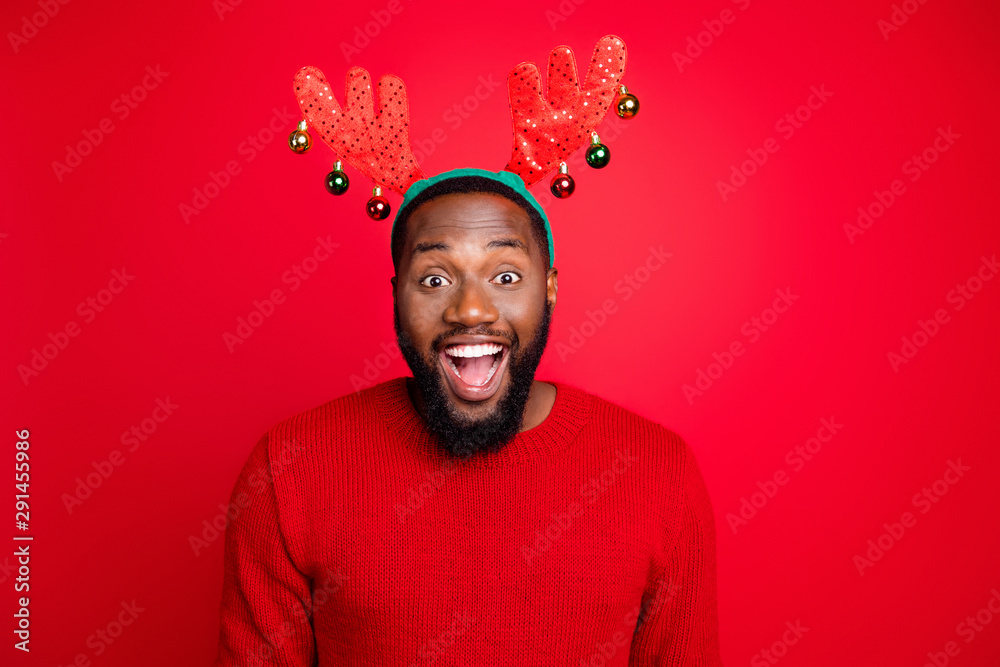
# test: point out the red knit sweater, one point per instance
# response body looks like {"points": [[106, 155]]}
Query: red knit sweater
{"points": [[354, 540]]}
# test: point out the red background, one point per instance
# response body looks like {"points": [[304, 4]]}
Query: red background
{"points": [[826, 357]]}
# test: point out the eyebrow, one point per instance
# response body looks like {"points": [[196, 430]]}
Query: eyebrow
{"points": [[495, 243]]}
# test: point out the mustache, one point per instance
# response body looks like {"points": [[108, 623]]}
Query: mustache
{"points": [[510, 337]]}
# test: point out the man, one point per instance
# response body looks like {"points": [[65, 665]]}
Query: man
{"points": [[470, 515]]}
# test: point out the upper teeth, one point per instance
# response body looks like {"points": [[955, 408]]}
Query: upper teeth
{"points": [[472, 350]]}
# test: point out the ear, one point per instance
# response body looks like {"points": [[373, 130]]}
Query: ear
{"points": [[393, 281], [551, 286]]}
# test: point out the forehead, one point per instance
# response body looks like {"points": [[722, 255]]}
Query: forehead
{"points": [[467, 215]]}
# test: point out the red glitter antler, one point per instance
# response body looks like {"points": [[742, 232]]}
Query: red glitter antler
{"points": [[547, 130], [375, 143]]}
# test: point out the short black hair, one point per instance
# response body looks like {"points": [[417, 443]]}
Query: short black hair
{"points": [[468, 184]]}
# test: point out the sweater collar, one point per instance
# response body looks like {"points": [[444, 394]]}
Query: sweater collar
{"points": [[571, 410]]}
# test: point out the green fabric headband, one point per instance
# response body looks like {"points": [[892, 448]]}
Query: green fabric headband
{"points": [[511, 180]]}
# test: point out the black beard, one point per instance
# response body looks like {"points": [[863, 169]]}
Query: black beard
{"points": [[459, 435]]}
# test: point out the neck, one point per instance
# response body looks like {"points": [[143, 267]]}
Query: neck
{"points": [[541, 398]]}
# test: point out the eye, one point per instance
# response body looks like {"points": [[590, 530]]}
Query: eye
{"points": [[434, 281], [507, 278]]}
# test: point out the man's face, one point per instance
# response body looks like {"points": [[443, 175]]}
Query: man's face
{"points": [[472, 302]]}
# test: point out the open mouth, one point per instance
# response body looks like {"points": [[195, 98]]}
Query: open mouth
{"points": [[474, 371]]}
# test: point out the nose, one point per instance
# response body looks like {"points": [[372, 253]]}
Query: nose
{"points": [[471, 306]]}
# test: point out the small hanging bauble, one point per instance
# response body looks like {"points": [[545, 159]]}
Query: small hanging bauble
{"points": [[628, 104], [378, 206], [598, 155], [300, 140], [562, 184], [337, 181]]}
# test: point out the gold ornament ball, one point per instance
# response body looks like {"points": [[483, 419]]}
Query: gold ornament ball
{"points": [[628, 106], [299, 141]]}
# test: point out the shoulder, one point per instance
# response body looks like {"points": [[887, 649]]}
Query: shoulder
{"points": [[297, 456], [664, 453], [338, 410], [314, 430], [611, 416], [668, 462], [356, 410]]}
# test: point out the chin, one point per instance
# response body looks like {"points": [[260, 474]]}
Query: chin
{"points": [[474, 386]]}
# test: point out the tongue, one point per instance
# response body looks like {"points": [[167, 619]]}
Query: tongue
{"points": [[474, 370]]}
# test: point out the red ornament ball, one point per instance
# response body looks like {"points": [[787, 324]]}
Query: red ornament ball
{"points": [[562, 185], [378, 208]]}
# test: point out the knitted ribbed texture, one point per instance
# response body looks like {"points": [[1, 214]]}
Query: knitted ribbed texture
{"points": [[354, 540]]}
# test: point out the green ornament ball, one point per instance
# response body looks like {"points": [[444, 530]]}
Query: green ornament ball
{"points": [[337, 182], [598, 156]]}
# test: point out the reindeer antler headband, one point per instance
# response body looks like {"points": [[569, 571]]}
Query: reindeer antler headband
{"points": [[546, 129]]}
